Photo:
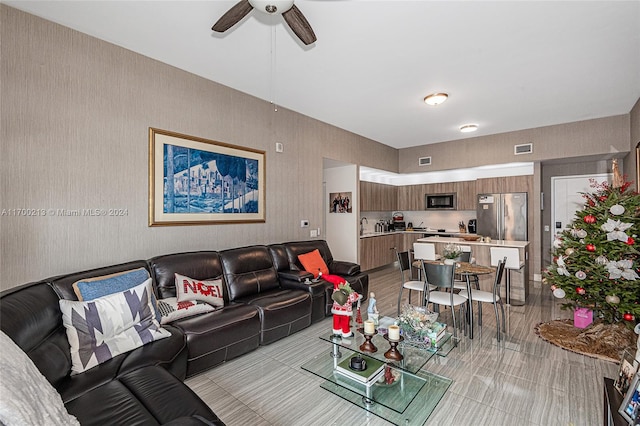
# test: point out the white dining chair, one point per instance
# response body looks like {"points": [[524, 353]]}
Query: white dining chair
{"points": [[512, 263], [404, 264], [423, 251], [492, 297]]}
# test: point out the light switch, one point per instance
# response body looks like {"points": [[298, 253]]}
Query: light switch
{"points": [[314, 233]]}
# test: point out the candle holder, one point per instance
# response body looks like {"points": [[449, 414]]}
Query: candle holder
{"points": [[368, 345], [393, 352]]}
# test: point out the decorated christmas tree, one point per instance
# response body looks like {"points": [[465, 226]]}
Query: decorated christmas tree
{"points": [[596, 260]]}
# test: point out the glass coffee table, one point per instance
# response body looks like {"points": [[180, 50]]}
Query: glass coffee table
{"points": [[408, 400]]}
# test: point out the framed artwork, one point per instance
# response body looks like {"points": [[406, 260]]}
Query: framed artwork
{"points": [[625, 372], [340, 202], [195, 181], [630, 407]]}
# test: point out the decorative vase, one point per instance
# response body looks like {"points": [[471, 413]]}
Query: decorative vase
{"points": [[449, 261]]}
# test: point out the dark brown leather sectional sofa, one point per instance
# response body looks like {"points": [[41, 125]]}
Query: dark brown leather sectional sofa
{"points": [[266, 299]]}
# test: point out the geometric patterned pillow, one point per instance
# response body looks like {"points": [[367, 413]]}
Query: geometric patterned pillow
{"points": [[100, 329], [172, 310], [209, 291]]}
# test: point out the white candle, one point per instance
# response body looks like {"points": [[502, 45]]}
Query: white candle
{"points": [[369, 327], [394, 332]]}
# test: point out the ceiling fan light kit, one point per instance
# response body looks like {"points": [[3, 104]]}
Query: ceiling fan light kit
{"points": [[435, 98], [291, 14]]}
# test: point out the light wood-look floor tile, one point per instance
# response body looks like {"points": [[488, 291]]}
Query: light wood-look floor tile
{"points": [[520, 380]]}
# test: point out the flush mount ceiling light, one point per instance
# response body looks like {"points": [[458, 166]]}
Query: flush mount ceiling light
{"points": [[435, 98], [468, 128]]}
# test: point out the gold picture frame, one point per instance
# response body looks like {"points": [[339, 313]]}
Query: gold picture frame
{"points": [[213, 182]]}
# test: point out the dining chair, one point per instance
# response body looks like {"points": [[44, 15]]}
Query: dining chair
{"points": [[460, 282], [422, 251], [512, 263], [492, 297], [441, 276], [404, 264]]}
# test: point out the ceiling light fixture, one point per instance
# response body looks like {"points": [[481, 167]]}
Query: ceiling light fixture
{"points": [[468, 128], [435, 98]]}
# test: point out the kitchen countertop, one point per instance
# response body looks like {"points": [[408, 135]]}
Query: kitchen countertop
{"points": [[378, 234], [493, 243]]}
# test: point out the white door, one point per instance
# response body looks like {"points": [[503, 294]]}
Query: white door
{"points": [[566, 197]]}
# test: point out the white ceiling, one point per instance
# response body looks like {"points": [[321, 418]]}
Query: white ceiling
{"points": [[507, 65]]}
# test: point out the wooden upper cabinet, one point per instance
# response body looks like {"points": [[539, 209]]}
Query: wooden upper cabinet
{"points": [[504, 184], [378, 197], [466, 195]]}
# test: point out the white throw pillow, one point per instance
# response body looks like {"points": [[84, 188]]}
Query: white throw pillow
{"points": [[209, 291], [102, 328], [172, 310], [27, 397]]}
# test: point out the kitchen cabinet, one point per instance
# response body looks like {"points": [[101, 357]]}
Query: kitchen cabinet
{"points": [[505, 184], [408, 239], [411, 197], [466, 191], [378, 251], [378, 197]]}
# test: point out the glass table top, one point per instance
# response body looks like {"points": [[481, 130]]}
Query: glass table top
{"points": [[409, 400]]}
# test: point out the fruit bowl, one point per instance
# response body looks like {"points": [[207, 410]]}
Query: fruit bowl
{"points": [[469, 237]]}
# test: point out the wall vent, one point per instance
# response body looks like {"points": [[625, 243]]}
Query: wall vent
{"points": [[424, 161], [525, 148]]}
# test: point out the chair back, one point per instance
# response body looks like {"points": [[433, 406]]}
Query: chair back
{"points": [[511, 254], [498, 277], [439, 274], [465, 256], [425, 251], [404, 263]]}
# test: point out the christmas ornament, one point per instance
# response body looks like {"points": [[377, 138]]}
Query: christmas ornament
{"points": [[580, 290], [602, 198], [559, 293], [581, 233], [581, 275], [601, 260], [631, 241], [569, 251], [628, 316], [612, 299], [557, 243], [590, 247], [553, 287], [616, 209], [615, 230], [589, 219]]}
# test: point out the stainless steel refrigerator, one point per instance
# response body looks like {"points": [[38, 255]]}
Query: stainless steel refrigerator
{"points": [[503, 216]]}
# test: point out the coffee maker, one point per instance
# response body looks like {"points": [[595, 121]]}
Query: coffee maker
{"points": [[471, 227]]}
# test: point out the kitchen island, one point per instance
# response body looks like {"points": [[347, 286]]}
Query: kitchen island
{"points": [[481, 252]]}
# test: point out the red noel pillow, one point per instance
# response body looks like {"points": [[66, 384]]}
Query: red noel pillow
{"points": [[313, 263], [209, 291]]}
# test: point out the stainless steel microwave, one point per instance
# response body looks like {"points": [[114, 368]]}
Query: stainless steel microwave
{"points": [[441, 201]]}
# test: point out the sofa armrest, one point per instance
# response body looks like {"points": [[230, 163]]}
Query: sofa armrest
{"points": [[295, 276], [338, 267]]}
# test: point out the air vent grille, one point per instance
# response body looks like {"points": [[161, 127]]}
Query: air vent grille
{"points": [[525, 148], [424, 161]]}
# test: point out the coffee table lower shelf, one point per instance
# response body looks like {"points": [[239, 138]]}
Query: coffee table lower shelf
{"points": [[410, 400]]}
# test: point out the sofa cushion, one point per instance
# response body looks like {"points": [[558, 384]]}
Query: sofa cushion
{"points": [[102, 328], [172, 310], [146, 396], [27, 397], [313, 263], [209, 291], [248, 271], [199, 265]]}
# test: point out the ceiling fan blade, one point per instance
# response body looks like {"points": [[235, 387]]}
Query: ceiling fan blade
{"points": [[233, 16], [299, 25]]}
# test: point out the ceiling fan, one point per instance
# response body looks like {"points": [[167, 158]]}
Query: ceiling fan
{"points": [[291, 14]]}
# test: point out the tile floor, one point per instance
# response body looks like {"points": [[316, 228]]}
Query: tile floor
{"points": [[520, 381]]}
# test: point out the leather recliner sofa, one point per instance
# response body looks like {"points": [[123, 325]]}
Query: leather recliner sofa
{"points": [[266, 299]]}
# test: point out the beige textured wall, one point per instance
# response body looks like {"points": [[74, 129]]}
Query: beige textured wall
{"points": [[603, 136], [75, 113]]}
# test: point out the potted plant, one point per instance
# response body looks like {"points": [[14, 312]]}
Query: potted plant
{"points": [[450, 253]]}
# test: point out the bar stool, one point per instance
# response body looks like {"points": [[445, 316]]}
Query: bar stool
{"points": [[512, 263]]}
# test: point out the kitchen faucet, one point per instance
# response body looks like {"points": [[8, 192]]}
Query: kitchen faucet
{"points": [[363, 220]]}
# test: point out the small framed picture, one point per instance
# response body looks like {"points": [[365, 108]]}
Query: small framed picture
{"points": [[625, 372], [630, 408]]}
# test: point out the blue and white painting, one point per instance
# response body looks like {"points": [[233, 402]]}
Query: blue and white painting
{"points": [[197, 181]]}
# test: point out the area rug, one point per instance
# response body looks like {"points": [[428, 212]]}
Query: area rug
{"points": [[599, 340]]}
